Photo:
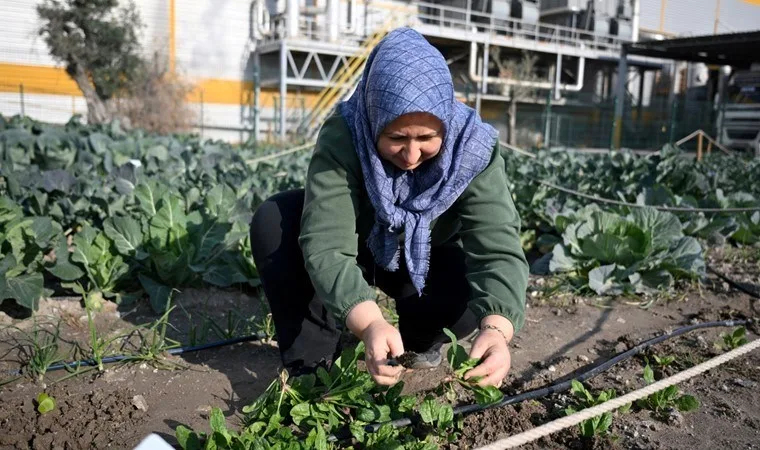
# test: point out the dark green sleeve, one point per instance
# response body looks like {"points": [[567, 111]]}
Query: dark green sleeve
{"points": [[496, 266], [329, 240]]}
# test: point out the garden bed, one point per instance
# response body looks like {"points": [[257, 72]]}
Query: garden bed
{"points": [[563, 333]]}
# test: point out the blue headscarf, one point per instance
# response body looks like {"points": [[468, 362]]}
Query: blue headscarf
{"points": [[405, 74]]}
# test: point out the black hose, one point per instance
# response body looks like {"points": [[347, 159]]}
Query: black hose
{"points": [[172, 351], [733, 283], [565, 385]]}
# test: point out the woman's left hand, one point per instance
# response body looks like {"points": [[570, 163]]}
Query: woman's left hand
{"points": [[492, 348]]}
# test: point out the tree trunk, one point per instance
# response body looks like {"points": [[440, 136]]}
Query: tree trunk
{"points": [[512, 120], [97, 111]]}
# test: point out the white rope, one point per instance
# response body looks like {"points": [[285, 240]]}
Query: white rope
{"points": [[280, 154], [574, 419], [517, 149]]}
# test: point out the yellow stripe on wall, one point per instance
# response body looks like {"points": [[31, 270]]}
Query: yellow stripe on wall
{"points": [[36, 80], [55, 81]]}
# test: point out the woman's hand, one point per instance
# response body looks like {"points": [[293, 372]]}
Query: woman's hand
{"points": [[380, 340], [492, 348]]}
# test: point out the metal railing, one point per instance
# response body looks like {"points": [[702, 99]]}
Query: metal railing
{"points": [[344, 81], [447, 18]]}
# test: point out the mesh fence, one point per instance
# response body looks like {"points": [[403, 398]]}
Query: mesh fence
{"points": [[589, 124]]}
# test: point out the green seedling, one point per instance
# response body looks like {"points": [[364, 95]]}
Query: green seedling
{"points": [[735, 339], [670, 397], [265, 326], [460, 364], [300, 413], [45, 403], [664, 361], [40, 348], [154, 343], [599, 425]]}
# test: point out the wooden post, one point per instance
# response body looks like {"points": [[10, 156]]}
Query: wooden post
{"points": [[709, 146], [699, 147]]}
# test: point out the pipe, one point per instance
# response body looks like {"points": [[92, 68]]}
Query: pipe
{"points": [[566, 385], [473, 72], [171, 351], [557, 76], [635, 20]]}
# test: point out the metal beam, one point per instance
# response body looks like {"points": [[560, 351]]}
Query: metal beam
{"points": [[283, 87], [622, 79]]}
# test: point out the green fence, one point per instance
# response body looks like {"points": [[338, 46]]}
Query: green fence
{"points": [[590, 124]]}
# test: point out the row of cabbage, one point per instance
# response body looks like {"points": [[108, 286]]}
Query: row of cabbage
{"points": [[106, 213]]}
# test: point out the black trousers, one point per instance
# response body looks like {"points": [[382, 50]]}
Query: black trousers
{"points": [[307, 334]]}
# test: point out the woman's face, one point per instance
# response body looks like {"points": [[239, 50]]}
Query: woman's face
{"points": [[410, 140]]}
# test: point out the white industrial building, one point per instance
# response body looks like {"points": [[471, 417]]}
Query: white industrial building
{"points": [[244, 57]]}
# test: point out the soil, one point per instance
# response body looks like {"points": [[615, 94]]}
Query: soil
{"points": [[563, 334]]}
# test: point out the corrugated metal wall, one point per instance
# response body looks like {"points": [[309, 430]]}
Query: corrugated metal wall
{"points": [[697, 17]]}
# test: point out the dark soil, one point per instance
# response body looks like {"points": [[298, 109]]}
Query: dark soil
{"points": [[563, 333]]}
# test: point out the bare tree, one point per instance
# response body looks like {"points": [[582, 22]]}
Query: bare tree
{"points": [[97, 42], [522, 70], [157, 100]]}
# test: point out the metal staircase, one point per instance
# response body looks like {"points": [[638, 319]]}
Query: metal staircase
{"points": [[344, 81]]}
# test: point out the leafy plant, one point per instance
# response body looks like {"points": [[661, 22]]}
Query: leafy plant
{"points": [[460, 364], [45, 403], [661, 401], [735, 339], [612, 254], [303, 412], [40, 348], [663, 361], [599, 425]]}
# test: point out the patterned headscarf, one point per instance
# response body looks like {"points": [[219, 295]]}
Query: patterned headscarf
{"points": [[405, 74]]}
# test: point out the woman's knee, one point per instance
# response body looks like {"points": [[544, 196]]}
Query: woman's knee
{"points": [[275, 227], [278, 215]]}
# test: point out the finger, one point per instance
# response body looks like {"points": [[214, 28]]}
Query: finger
{"points": [[492, 380], [494, 363], [496, 377], [481, 370], [388, 371], [395, 344], [479, 347], [385, 381]]}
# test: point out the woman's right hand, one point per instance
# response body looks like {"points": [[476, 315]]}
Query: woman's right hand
{"points": [[380, 338]]}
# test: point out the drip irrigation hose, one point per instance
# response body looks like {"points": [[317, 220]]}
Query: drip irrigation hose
{"points": [[733, 283], [171, 351], [566, 385]]}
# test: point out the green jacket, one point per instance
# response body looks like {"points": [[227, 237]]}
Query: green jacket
{"points": [[338, 216]]}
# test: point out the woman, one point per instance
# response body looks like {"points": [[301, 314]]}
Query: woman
{"points": [[406, 191]]}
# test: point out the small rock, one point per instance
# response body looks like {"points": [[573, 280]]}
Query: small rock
{"points": [[138, 401], [694, 321], [675, 417], [702, 342], [552, 369], [143, 366], [649, 424], [592, 351], [726, 286], [557, 312], [203, 409], [534, 294], [724, 388], [621, 347], [744, 383], [583, 358], [620, 320]]}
